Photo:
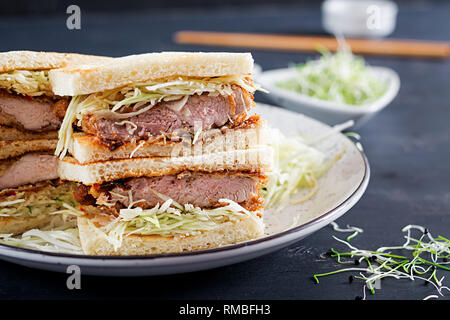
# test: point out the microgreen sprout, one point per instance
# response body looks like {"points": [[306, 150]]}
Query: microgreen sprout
{"points": [[355, 230], [339, 78], [418, 258]]}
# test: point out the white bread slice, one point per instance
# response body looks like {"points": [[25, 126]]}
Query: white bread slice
{"points": [[86, 149], [226, 233], [255, 160], [11, 134], [98, 77], [34, 60], [10, 149]]}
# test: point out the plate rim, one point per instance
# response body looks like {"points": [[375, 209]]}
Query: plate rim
{"points": [[30, 253]]}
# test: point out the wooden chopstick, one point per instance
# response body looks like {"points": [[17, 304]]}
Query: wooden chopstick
{"points": [[386, 47]]}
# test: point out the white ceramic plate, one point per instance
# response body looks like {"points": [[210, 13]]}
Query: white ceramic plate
{"points": [[339, 189], [329, 112]]}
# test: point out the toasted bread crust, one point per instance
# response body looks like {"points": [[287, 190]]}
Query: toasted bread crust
{"points": [[253, 160], [11, 134], [10, 149]]}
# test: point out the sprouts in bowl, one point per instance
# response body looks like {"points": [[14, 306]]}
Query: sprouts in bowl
{"points": [[334, 89]]}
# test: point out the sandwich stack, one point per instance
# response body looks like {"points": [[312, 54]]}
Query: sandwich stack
{"points": [[165, 154], [30, 115]]}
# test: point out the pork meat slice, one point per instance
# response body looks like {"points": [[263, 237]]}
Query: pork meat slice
{"points": [[34, 114], [30, 168], [200, 111], [199, 189]]}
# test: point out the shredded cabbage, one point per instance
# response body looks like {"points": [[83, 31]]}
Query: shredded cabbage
{"points": [[296, 166], [132, 100], [29, 83], [54, 200], [340, 77], [132, 125], [170, 219], [140, 145], [65, 240]]}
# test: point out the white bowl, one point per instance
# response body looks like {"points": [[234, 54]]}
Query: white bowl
{"points": [[329, 112], [359, 18]]}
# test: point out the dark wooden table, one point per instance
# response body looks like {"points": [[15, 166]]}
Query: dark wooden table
{"points": [[408, 146]]}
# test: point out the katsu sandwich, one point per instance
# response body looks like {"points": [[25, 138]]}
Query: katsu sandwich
{"points": [[30, 117], [164, 151]]}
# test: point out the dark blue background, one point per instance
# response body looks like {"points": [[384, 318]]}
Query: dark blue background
{"points": [[408, 144]]}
